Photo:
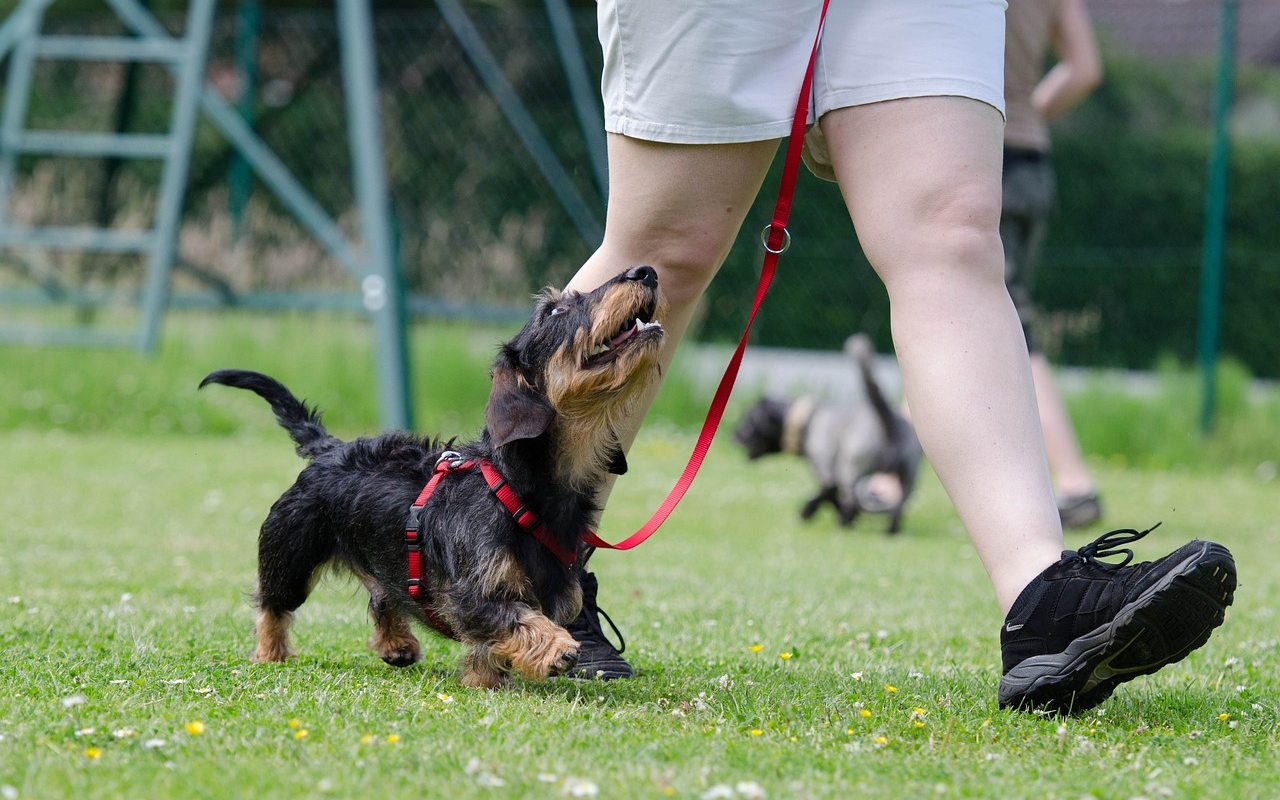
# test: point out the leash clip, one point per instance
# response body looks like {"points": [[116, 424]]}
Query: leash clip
{"points": [[453, 458], [767, 232]]}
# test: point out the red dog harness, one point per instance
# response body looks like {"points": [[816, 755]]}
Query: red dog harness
{"points": [[451, 462]]}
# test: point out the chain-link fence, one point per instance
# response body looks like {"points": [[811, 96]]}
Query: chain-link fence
{"points": [[480, 227]]}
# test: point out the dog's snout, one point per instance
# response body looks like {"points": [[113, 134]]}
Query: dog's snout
{"points": [[645, 274]]}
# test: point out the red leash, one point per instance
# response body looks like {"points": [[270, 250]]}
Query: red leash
{"points": [[776, 240]]}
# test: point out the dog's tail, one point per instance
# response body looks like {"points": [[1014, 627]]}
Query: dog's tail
{"points": [[859, 348], [302, 423]]}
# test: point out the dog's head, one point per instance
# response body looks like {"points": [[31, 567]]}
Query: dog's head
{"points": [[761, 429], [575, 368]]}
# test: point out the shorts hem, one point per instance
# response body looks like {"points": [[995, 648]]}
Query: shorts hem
{"points": [[671, 133], [918, 87]]}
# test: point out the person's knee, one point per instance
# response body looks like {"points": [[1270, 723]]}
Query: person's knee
{"points": [[954, 230], [686, 254]]}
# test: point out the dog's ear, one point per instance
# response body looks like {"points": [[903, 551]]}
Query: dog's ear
{"points": [[515, 409], [617, 459]]}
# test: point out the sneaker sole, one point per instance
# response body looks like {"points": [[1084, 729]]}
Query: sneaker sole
{"points": [[1186, 604]]}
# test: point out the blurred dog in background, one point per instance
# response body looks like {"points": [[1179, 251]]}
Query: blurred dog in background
{"points": [[844, 443]]}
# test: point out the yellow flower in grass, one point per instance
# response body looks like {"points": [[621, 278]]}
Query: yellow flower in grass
{"points": [[756, 648], [1224, 716], [366, 739], [93, 753], [918, 723], [880, 741], [848, 731], [755, 732], [864, 712], [295, 723], [444, 698], [890, 689], [785, 655], [393, 738], [195, 727], [301, 733]]}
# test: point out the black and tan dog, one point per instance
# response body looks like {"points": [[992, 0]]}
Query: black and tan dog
{"points": [[499, 579], [844, 443]]}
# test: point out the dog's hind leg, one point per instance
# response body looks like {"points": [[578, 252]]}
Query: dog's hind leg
{"points": [[393, 639], [291, 549], [826, 495]]}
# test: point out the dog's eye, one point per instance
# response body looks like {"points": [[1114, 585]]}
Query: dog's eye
{"points": [[557, 311]]}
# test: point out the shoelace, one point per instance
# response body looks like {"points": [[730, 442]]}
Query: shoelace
{"points": [[592, 617], [1112, 544]]}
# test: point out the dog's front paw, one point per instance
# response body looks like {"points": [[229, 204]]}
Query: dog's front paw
{"points": [[398, 651], [567, 661], [403, 656], [539, 649]]}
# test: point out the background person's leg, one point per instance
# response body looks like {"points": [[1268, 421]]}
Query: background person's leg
{"points": [[921, 178]]}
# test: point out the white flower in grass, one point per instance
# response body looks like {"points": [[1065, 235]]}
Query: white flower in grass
{"points": [[72, 701], [205, 690], [125, 598], [124, 733], [750, 790], [14, 600], [1190, 761], [489, 780], [724, 682], [721, 791], [547, 777], [473, 766], [8, 792], [1231, 662], [153, 744], [857, 676], [916, 675], [579, 787], [118, 681], [85, 732]]}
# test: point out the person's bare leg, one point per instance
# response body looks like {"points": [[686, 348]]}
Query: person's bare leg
{"points": [[677, 208], [921, 178], [1070, 474]]}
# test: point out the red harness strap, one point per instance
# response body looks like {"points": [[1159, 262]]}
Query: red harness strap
{"points": [[452, 462]]}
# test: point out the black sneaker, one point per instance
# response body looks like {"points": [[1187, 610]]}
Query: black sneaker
{"points": [[597, 657], [1079, 510], [1083, 627]]}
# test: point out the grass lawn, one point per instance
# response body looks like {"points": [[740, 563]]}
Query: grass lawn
{"points": [[802, 659]]}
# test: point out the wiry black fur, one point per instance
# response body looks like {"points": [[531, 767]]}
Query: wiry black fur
{"points": [[350, 504]]}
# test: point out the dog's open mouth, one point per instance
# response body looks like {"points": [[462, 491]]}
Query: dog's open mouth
{"points": [[638, 328]]}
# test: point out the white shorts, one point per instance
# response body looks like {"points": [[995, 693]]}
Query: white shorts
{"points": [[718, 71]]}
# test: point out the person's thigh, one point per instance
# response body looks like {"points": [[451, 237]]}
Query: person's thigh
{"points": [[921, 177], [677, 207]]}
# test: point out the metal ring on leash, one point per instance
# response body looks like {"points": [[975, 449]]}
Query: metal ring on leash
{"points": [[786, 240]]}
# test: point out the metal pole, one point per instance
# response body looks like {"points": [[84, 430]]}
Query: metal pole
{"points": [[240, 177], [380, 285], [521, 122], [585, 97], [1215, 214]]}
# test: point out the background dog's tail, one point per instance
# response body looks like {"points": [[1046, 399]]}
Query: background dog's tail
{"points": [[302, 423], [859, 348]]}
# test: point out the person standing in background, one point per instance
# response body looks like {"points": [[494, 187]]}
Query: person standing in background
{"points": [[1033, 98]]}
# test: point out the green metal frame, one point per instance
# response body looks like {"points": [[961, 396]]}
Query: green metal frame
{"points": [[373, 266], [186, 57], [1215, 218]]}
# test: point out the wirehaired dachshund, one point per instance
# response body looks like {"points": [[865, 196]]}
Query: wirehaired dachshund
{"points": [[496, 539]]}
